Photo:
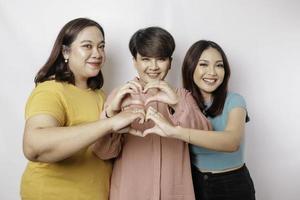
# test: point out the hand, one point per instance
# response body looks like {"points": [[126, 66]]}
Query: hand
{"points": [[115, 106], [126, 117], [130, 101], [164, 93], [162, 126], [131, 131]]}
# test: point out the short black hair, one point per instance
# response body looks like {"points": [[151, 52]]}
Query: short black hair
{"points": [[152, 42]]}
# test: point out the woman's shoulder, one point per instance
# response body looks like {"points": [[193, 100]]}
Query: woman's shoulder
{"points": [[47, 89], [101, 93], [234, 99], [50, 85], [234, 95]]}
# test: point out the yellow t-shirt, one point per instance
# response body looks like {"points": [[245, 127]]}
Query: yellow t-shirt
{"points": [[83, 176]]}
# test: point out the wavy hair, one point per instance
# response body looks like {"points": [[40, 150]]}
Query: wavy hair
{"points": [[55, 68]]}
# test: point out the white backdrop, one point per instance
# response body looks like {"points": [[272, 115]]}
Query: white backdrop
{"points": [[260, 37]]}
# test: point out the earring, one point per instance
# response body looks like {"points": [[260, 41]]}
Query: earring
{"points": [[66, 60]]}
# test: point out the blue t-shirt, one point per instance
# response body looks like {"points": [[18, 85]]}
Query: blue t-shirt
{"points": [[206, 159]]}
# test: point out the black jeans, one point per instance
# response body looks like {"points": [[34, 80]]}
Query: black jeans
{"points": [[233, 185]]}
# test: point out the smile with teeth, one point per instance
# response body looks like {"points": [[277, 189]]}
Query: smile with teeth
{"points": [[153, 75], [209, 80]]}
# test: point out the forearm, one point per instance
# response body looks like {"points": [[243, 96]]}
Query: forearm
{"points": [[57, 143], [226, 141]]}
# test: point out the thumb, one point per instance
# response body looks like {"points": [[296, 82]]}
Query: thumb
{"points": [[129, 102], [154, 130], [135, 132], [152, 98], [148, 131]]}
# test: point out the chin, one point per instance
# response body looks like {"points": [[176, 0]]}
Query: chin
{"points": [[93, 73]]}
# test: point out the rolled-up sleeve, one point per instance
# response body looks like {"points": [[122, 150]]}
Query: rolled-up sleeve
{"points": [[187, 114], [109, 146]]}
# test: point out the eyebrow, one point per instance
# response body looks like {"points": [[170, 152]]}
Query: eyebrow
{"points": [[203, 60], [83, 41], [208, 61]]}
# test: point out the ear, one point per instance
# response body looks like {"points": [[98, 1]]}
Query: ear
{"points": [[65, 52]]}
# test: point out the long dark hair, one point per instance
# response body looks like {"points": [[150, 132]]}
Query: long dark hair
{"points": [[188, 67], [55, 68]]}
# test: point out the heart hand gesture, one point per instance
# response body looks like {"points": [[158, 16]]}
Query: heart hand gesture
{"points": [[164, 93]]}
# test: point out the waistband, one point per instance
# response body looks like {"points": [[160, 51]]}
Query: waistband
{"points": [[243, 168]]}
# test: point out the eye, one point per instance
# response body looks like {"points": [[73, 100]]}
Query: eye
{"points": [[88, 46], [145, 59], [220, 65], [101, 46], [162, 59], [203, 64]]}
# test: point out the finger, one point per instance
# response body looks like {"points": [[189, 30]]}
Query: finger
{"points": [[138, 110], [161, 98], [129, 102], [133, 86], [150, 85], [148, 131], [125, 108], [129, 86], [153, 98], [160, 84], [117, 100], [135, 132], [156, 117], [142, 119], [125, 91], [139, 114], [150, 113], [155, 130], [123, 130], [137, 85]]}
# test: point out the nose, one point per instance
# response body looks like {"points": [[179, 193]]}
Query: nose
{"points": [[97, 53], [153, 64], [211, 70]]}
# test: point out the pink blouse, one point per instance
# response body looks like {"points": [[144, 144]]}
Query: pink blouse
{"points": [[153, 167]]}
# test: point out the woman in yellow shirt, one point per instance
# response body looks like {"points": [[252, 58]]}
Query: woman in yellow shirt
{"points": [[63, 120]]}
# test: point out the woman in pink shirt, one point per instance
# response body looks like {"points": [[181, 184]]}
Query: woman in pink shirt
{"points": [[151, 167]]}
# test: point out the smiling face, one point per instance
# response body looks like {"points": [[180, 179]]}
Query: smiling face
{"points": [[86, 55], [209, 72], [150, 69]]}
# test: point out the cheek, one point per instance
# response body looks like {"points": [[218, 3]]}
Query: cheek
{"points": [[77, 56], [196, 79], [221, 74], [140, 70], [103, 57], [82, 54], [139, 67], [197, 75], [165, 69]]}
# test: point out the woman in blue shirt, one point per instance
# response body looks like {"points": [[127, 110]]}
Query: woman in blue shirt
{"points": [[219, 170]]}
